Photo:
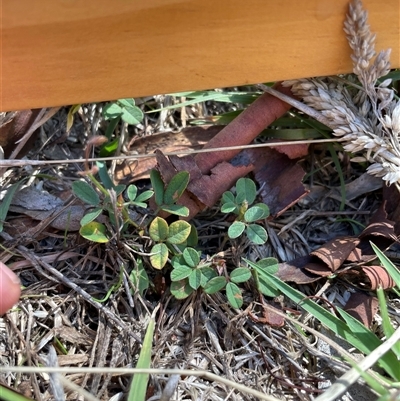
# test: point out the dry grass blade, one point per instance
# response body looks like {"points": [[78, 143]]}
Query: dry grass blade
{"points": [[367, 118], [131, 371], [350, 377]]}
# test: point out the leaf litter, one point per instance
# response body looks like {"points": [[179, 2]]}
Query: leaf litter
{"points": [[67, 301]]}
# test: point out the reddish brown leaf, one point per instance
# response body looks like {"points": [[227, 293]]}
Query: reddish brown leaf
{"points": [[269, 316], [380, 226], [320, 269], [15, 129], [294, 271], [191, 138], [378, 277], [280, 179], [335, 252], [392, 197], [380, 231], [362, 306]]}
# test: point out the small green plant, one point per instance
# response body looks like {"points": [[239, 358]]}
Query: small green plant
{"points": [[121, 109], [247, 216], [189, 273], [166, 198], [165, 237], [111, 202]]}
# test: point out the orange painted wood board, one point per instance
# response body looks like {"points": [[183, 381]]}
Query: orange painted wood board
{"points": [[59, 52]]}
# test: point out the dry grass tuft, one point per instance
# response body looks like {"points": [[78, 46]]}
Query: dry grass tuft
{"points": [[366, 117]]}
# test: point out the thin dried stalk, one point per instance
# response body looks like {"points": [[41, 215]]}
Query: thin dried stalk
{"points": [[362, 110]]}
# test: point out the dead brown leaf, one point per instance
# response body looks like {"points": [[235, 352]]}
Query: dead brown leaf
{"points": [[280, 179], [362, 306], [294, 271], [15, 128], [377, 277], [190, 138], [335, 252]]}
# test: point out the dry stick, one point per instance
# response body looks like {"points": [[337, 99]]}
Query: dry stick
{"points": [[244, 128], [23, 162], [37, 263]]}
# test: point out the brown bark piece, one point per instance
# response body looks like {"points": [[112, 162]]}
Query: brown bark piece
{"points": [[261, 113]]}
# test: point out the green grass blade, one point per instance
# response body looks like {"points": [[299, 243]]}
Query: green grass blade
{"points": [[5, 204], [9, 395], [387, 326], [352, 330], [388, 265], [138, 388]]}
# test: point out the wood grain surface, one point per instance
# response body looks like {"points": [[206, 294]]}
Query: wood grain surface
{"points": [[58, 52]]}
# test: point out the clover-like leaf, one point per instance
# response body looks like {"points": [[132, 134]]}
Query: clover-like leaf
{"points": [[236, 229], [229, 207], [191, 256], [91, 215], [215, 284], [245, 190], [178, 232], [179, 210], [240, 275], [181, 289], [176, 187], [256, 234], [234, 295], [193, 238], [130, 113], [112, 110], [160, 256], [195, 278], [144, 196], [228, 197], [180, 273], [257, 212], [95, 232], [85, 192], [132, 192], [158, 186], [207, 273], [158, 229]]}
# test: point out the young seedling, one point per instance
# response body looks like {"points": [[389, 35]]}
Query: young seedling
{"points": [[189, 273], [107, 198], [122, 109], [247, 217], [166, 198]]}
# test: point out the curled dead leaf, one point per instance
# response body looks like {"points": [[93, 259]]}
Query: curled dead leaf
{"points": [[378, 277], [335, 252]]}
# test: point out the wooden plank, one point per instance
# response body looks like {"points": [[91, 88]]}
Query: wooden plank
{"points": [[57, 52]]}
